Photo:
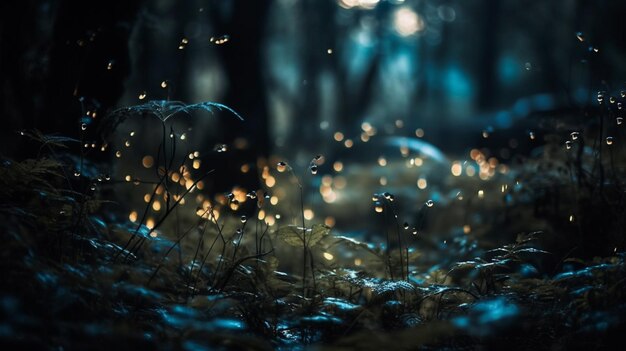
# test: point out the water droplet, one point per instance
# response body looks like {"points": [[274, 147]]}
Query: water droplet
{"points": [[406, 226], [93, 187], [83, 126], [164, 84], [110, 65], [414, 231], [251, 195], [313, 169], [600, 97], [230, 196], [622, 93], [528, 66], [568, 144], [220, 40], [619, 105], [580, 36], [132, 134], [76, 173], [107, 177], [593, 49], [430, 203], [612, 99], [142, 95], [281, 166], [574, 135], [375, 197], [183, 136], [619, 120], [378, 207], [485, 134], [531, 135], [329, 51], [244, 219], [387, 195], [118, 154], [127, 143], [221, 148], [609, 140]]}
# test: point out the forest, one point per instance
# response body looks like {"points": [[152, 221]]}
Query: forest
{"points": [[312, 175]]}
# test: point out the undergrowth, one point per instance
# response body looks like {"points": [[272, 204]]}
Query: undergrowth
{"points": [[78, 274]]}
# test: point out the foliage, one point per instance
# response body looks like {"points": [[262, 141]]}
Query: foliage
{"points": [[74, 273]]}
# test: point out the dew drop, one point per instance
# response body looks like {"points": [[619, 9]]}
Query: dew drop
{"points": [[619, 120], [107, 177], [378, 207], [164, 84], [93, 187], [127, 143], [244, 219], [580, 36], [612, 99], [568, 144], [609, 140], [251, 195], [600, 97], [528, 66], [220, 40], [221, 148], [230, 196], [118, 154], [83, 126], [76, 173], [406, 226], [622, 93], [281, 166], [574, 135], [313, 169], [110, 65], [142, 95], [619, 105], [531, 135], [375, 197], [414, 231], [430, 203], [132, 133]]}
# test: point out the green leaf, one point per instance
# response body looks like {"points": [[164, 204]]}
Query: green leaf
{"points": [[317, 233], [292, 234]]}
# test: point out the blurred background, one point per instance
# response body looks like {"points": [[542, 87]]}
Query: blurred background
{"points": [[399, 96]]}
